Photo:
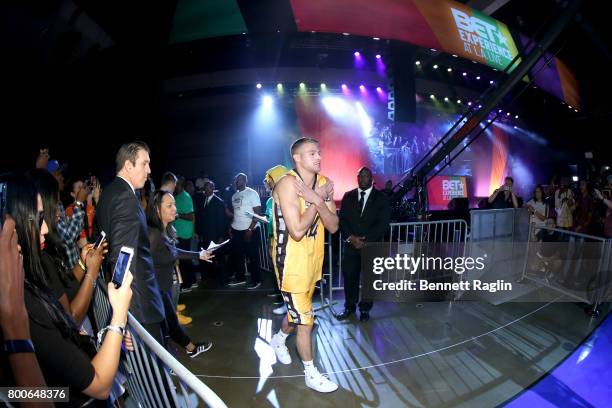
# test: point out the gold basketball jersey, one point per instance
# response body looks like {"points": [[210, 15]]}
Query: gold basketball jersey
{"points": [[297, 264]]}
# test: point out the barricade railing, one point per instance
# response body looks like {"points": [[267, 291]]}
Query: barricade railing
{"points": [[573, 264], [265, 261], [406, 237], [147, 369]]}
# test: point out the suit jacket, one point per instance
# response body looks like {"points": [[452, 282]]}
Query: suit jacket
{"points": [[211, 222], [121, 217], [372, 223]]}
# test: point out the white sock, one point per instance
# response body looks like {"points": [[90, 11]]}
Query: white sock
{"points": [[308, 365], [282, 336]]}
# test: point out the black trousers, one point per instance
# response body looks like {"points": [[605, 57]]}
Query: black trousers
{"points": [[156, 330], [186, 266], [351, 272], [242, 249], [175, 331]]}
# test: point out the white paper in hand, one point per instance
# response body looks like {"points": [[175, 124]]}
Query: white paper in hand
{"points": [[213, 246], [257, 217]]}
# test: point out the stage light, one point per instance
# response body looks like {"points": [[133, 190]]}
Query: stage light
{"points": [[500, 111], [356, 53], [454, 55], [449, 70], [516, 117], [279, 86], [364, 119], [378, 56], [243, 33], [458, 100], [417, 63], [361, 87], [516, 127], [469, 103], [606, 168], [489, 120], [508, 114], [302, 85], [576, 110], [464, 74], [433, 50], [479, 106], [379, 89], [491, 82], [323, 86], [445, 99], [478, 77], [570, 106], [432, 96], [346, 34], [267, 101], [574, 178], [335, 106], [344, 87], [435, 66], [258, 86], [375, 38], [313, 32]]}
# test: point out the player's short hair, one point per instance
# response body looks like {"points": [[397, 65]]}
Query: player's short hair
{"points": [[296, 145]]}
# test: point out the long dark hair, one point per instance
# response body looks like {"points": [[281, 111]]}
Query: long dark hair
{"points": [[153, 214], [48, 188], [534, 193], [22, 205]]}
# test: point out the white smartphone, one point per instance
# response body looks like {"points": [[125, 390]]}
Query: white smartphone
{"points": [[124, 260], [100, 239]]}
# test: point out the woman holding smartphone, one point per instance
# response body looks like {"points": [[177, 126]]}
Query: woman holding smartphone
{"points": [[161, 213], [56, 340]]}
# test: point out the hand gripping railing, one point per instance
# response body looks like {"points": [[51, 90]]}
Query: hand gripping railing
{"points": [[147, 369]]}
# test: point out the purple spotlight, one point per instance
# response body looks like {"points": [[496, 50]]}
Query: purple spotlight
{"points": [[361, 88], [491, 82], [356, 53], [464, 74], [378, 56], [344, 87], [378, 89], [478, 77]]}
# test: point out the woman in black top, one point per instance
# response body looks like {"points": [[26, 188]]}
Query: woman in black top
{"points": [[55, 336], [75, 286], [161, 213]]}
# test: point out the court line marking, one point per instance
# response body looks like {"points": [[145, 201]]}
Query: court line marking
{"points": [[230, 377]]}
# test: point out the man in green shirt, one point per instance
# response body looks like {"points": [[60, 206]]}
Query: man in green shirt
{"points": [[184, 232]]}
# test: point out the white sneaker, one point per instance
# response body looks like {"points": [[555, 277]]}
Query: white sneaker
{"points": [[280, 349], [281, 310], [319, 382]]}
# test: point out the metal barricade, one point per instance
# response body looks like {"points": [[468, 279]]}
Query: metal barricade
{"points": [[404, 237], [147, 368], [265, 261], [570, 263]]}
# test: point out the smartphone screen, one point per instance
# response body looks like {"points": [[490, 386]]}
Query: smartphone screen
{"points": [[120, 268], [100, 240]]}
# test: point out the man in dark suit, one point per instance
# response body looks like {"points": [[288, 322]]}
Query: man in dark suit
{"points": [[211, 225], [364, 217], [210, 216], [121, 217]]}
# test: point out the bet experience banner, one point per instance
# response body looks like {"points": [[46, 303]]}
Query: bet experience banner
{"points": [[442, 189], [441, 24], [464, 31]]}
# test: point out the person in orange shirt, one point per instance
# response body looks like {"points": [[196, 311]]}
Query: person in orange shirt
{"points": [[93, 188]]}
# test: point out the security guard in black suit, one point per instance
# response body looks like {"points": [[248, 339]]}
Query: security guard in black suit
{"points": [[364, 217]]}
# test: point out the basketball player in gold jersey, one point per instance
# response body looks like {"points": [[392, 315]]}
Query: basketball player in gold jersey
{"points": [[303, 208]]}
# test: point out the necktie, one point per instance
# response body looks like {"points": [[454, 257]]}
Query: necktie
{"points": [[361, 200]]}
